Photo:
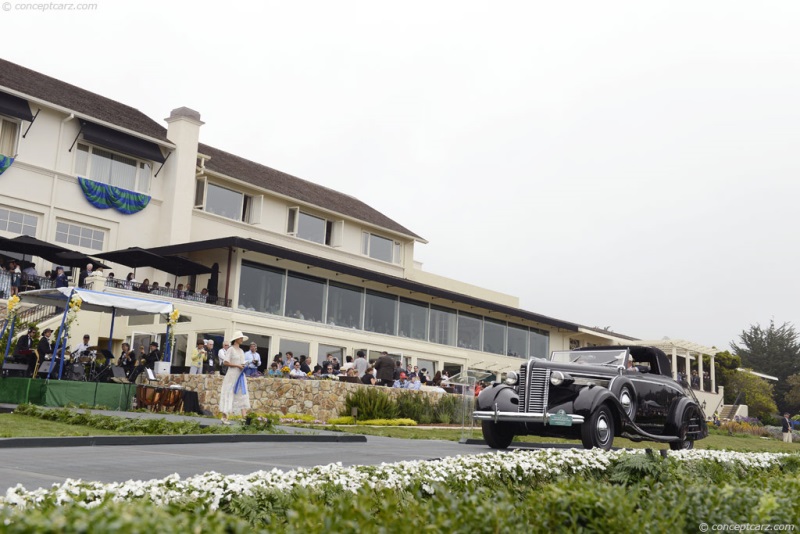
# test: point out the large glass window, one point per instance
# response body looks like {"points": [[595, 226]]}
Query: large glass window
{"points": [[517, 341], [225, 202], [413, 319], [114, 169], [344, 305], [469, 331], [8, 137], [443, 326], [540, 343], [18, 223], [494, 336], [380, 248], [261, 288], [311, 228], [80, 236], [380, 313], [304, 297]]}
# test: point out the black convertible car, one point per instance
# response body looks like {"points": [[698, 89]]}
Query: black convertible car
{"points": [[593, 394]]}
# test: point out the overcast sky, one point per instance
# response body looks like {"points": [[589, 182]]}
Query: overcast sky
{"points": [[631, 165]]}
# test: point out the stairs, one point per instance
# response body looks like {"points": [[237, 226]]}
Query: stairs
{"points": [[728, 412]]}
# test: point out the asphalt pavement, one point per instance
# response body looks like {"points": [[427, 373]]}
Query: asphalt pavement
{"points": [[34, 463]]}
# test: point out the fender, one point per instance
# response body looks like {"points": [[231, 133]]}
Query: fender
{"points": [[675, 417], [503, 395]]}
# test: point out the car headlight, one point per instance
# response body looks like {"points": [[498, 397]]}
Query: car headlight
{"points": [[512, 378], [557, 378]]}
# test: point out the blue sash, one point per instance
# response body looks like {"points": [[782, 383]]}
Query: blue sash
{"points": [[241, 385]]}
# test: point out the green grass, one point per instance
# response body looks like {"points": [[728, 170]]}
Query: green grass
{"points": [[22, 426], [719, 441]]}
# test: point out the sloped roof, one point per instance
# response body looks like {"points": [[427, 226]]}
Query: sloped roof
{"points": [[74, 98], [285, 184], [92, 105]]}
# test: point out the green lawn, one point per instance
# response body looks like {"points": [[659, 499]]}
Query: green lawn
{"points": [[23, 426], [715, 440]]}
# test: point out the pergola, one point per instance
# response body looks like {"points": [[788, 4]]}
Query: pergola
{"points": [[676, 348]]}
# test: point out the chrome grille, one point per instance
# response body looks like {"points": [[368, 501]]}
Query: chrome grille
{"points": [[536, 391], [523, 387]]}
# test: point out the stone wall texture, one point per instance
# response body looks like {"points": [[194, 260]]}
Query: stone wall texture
{"points": [[324, 399]]}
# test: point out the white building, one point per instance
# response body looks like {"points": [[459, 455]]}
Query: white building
{"points": [[301, 267]]}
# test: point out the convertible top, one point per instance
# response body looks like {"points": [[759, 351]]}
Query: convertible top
{"points": [[654, 357]]}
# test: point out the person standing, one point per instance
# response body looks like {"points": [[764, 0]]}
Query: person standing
{"points": [[786, 427], [233, 395], [127, 360], [85, 274], [208, 364], [361, 364], [153, 357], [252, 359], [197, 358], [221, 356], [384, 368]]}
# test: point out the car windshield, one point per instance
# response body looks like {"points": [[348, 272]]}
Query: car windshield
{"points": [[590, 357]]}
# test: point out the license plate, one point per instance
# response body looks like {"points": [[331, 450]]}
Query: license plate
{"points": [[560, 419]]}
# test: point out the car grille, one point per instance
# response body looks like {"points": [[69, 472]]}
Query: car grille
{"points": [[533, 389]]}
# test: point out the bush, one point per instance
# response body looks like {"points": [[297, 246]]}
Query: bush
{"points": [[734, 427], [387, 422], [371, 404], [348, 420], [414, 406]]}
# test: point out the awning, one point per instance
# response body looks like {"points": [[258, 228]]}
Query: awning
{"points": [[121, 142], [97, 301], [138, 257], [359, 272], [16, 107], [31, 246]]}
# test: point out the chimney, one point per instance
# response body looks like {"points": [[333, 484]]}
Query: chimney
{"points": [[178, 188]]}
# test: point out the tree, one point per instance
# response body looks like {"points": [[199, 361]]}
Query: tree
{"points": [[792, 398], [774, 351], [756, 393]]}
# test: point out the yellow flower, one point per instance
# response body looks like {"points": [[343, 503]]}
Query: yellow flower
{"points": [[285, 370], [13, 303]]}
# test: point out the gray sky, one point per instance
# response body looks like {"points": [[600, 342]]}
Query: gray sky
{"points": [[631, 165]]}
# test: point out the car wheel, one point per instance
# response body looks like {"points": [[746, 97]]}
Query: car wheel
{"points": [[598, 431], [497, 435], [628, 402], [690, 418]]}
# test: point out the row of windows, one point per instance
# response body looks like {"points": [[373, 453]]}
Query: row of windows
{"points": [[114, 169], [66, 232], [280, 292], [18, 223]]}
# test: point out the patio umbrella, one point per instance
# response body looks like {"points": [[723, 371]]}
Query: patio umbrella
{"points": [[73, 258], [140, 257], [31, 246]]}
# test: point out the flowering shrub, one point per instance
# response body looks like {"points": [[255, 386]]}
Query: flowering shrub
{"points": [[734, 427], [13, 304]]}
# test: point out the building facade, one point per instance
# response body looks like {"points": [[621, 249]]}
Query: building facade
{"points": [[297, 266]]}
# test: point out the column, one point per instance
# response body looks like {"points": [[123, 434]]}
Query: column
{"points": [[674, 362]]}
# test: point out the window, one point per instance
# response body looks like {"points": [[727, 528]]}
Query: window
{"points": [[469, 331], [226, 202], [494, 336], [344, 305], [18, 223], [81, 236], [8, 137], [111, 168], [313, 228], [380, 248], [304, 297], [517, 341], [413, 319], [261, 288], [442, 326], [380, 312], [540, 343]]}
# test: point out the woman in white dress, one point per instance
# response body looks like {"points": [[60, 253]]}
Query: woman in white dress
{"points": [[234, 395]]}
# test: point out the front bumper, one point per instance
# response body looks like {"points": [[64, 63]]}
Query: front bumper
{"points": [[521, 417]]}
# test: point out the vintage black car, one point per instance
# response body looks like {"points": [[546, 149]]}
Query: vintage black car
{"points": [[593, 394]]}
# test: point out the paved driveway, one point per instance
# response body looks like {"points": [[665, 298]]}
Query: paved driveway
{"points": [[41, 467]]}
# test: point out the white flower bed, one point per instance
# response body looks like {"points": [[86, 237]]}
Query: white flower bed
{"points": [[211, 489]]}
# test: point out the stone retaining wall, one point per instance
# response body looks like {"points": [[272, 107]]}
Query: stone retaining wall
{"points": [[324, 399]]}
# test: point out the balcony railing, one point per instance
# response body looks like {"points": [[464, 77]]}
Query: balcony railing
{"points": [[168, 292], [26, 283]]}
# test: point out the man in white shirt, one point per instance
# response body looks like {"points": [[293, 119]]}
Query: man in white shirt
{"points": [[361, 363], [252, 359], [82, 348], [223, 369]]}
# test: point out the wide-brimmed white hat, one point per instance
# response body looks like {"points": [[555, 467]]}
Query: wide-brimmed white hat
{"points": [[238, 334]]}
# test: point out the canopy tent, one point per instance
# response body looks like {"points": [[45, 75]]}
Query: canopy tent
{"points": [[139, 257], [74, 258], [98, 302]]}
